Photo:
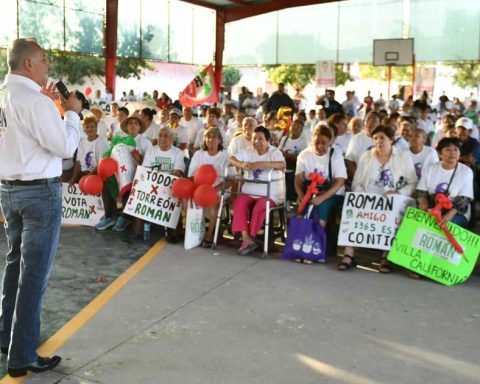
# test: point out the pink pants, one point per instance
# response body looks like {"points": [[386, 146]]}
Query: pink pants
{"points": [[241, 206]]}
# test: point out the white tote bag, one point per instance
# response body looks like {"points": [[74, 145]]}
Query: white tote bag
{"points": [[194, 225]]}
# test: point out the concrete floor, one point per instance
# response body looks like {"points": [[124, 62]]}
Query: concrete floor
{"points": [[204, 316]]}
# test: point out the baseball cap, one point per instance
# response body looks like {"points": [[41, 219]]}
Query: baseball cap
{"points": [[464, 122]]}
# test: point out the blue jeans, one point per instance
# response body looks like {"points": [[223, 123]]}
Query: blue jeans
{"points": [[32, 225]]}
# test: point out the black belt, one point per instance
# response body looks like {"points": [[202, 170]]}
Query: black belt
{"points": [[31, 182]]}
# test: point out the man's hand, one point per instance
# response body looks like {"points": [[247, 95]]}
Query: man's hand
{"points": [[50, 91], [72, 104]]}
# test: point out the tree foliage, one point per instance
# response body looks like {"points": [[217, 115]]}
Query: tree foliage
{"points": [[296, 75], [400, 73], [3, 63], [467, 75], [300, 75], [230, 76]]}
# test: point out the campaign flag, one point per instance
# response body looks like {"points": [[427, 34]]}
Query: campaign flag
{"points": [[202, 89]]}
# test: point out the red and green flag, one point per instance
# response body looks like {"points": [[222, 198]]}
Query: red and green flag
{"points": [[202, 89]]}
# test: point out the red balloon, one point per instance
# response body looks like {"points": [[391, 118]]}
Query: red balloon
{"points": [[205, 196], [93, 185], [183, 188], [88, 91], [107, 167], [206, 174], [81, 183]]}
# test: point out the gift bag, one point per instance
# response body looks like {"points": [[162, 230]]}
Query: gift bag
{"points": [[306, 239], [194, 225]]}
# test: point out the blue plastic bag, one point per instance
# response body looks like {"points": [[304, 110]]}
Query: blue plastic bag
{"points": [[306, 239]]}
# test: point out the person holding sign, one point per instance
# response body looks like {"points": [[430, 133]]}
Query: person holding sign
{"points": [[212, 152], [165, 156], [134, 127], [256, 164], [321, 158], [382, 170], [451, 178]]}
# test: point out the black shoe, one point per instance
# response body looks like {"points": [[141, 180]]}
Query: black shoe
{"points": [[41, 365], [4, 350]]}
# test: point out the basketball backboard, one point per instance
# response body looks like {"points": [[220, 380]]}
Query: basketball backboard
{"points": [[393, 52]]}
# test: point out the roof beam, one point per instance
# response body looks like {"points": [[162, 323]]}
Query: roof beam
{"points": [[239, 2], [202, 3], [249, 10]]}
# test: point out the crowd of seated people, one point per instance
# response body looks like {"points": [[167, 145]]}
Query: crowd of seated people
{"points": [[381, 147]]}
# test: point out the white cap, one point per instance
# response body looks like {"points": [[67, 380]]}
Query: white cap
{"points": [[464, 122]]}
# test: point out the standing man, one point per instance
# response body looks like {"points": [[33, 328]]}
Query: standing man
{"points": [[33, 142], [280, 99]]}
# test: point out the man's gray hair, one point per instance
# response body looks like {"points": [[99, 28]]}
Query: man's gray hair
{"points": [[18, 50]]}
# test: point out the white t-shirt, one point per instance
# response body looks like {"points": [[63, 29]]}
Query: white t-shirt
{"points": [[401, 144], [294, 146], [344, 140], [219, 162], [166, 160], [308, 162], [90, 152], [194, 125], [277, 188], [152, 132], [102, 129], [143, 144], [435, 179], [423, 159], [239, 143], [426, 125], [359, 144]]}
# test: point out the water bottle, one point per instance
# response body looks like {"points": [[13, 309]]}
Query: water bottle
{"points": [[147, 235]]}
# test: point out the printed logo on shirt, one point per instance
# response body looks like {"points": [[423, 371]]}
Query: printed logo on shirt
{"points": [[89, 160], [164, 163], [442, 187], [256, 174], [418, 170], [322, 173], [385, 179]]}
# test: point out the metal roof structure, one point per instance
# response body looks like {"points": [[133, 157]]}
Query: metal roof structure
{"points": [[233, 10], [226, 11]]}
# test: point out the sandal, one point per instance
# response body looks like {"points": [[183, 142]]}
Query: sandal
{"points": [[343, 265], [384, 266], [415, 276], [207, 243]]}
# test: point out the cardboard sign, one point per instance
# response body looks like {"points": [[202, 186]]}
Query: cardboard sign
{"points": [[78, 208], [370, 220], [421, 246], [151, 198]]}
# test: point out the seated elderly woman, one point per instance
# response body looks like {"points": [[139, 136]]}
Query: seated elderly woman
{"points": [[166, 158], [321, 158], [449, 177], [257, 164], [383, 170], [211, 152]]}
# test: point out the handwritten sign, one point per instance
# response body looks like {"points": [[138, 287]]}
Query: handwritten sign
{"points": [[421, 246], [151, 198], [370, 220], [78, 208]]}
